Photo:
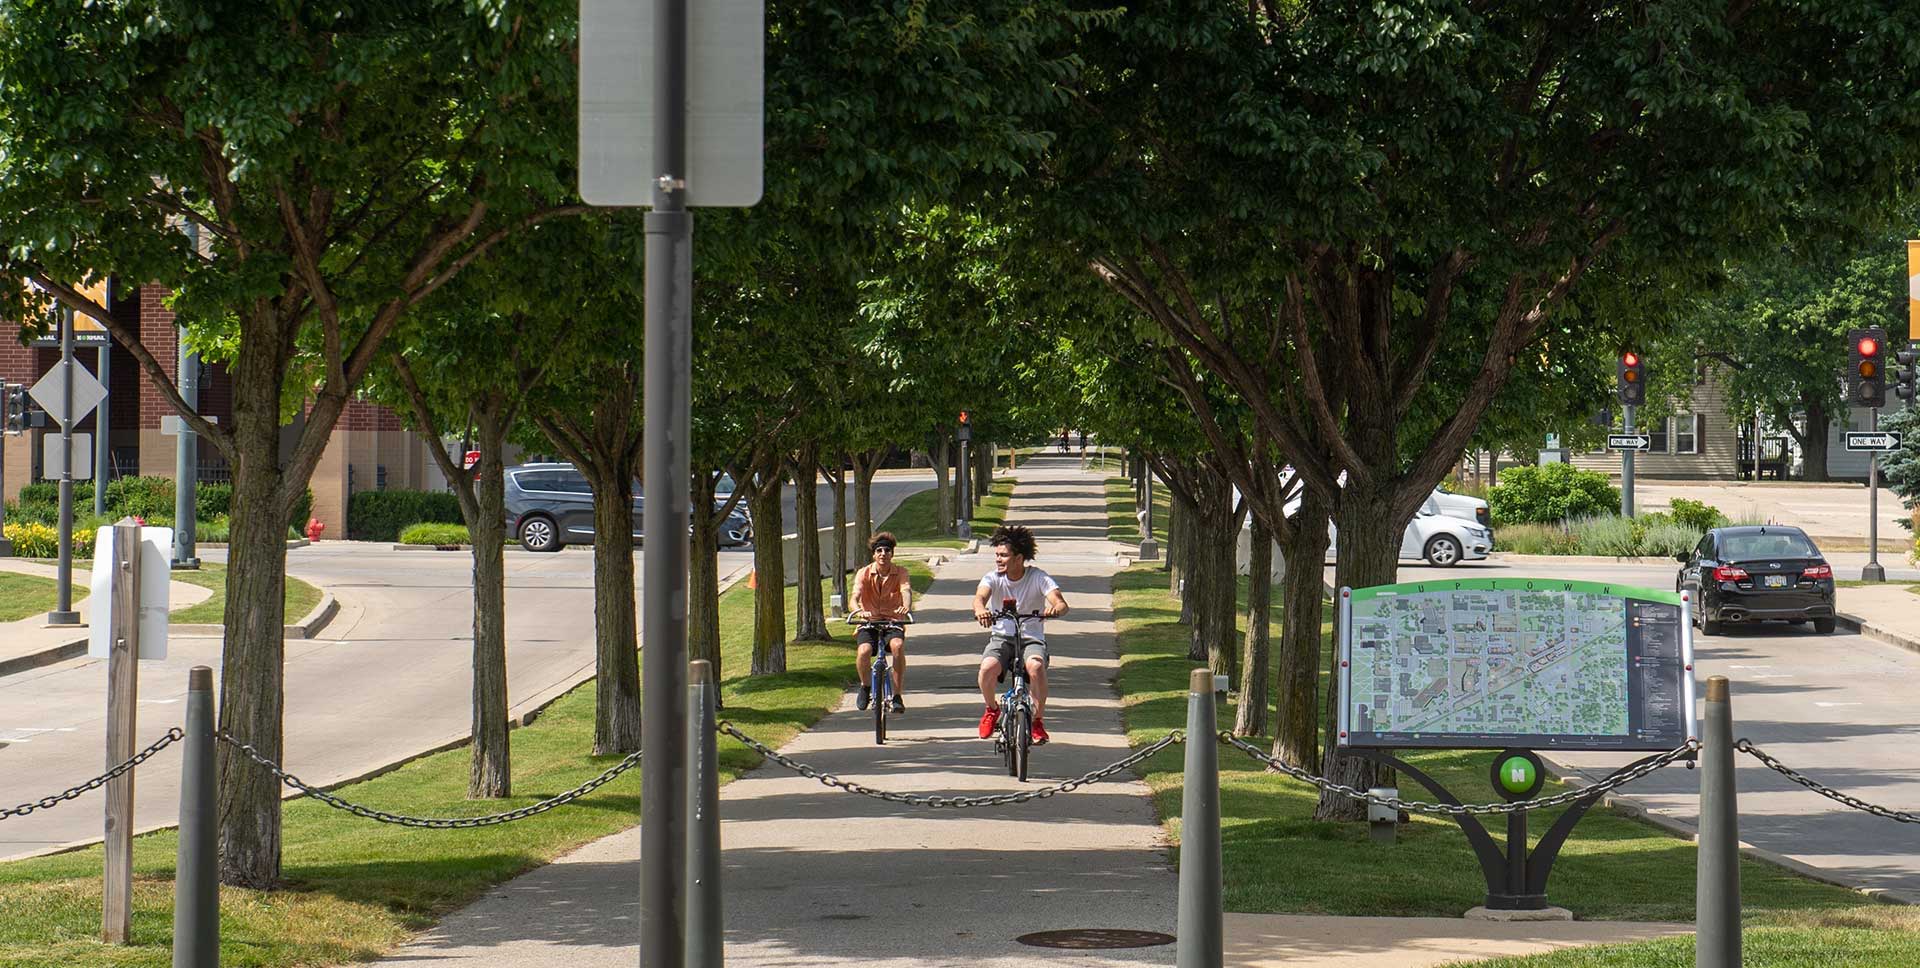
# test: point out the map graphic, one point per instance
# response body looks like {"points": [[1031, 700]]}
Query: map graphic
{"points": [[1576, 662]]}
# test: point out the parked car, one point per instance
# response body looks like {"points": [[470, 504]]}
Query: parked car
{"points": [[1464, 506], [1757, 573], [1437, 538], [550, 506]]}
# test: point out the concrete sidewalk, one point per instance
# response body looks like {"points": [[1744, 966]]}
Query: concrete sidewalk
{"points": [[815, 876]]}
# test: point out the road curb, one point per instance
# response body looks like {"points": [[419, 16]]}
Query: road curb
{"points": [[1878, 633], [309, 625], [34, 660], [1688, 832], [1579, 559], [432, 547]]}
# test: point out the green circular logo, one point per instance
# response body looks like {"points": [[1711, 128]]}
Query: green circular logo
{"points": [[1516, 774]]}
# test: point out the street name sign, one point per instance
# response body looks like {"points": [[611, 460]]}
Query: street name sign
{"points": [[726, 64], [1629, 441], [1874, 440], [1529, 663], [53, 457], [50, 392]]}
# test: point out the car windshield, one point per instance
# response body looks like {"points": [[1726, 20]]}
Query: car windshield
{"points": [[1745, 547]]}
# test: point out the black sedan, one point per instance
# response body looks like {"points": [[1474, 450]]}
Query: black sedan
{"points": [[1755, 573]]}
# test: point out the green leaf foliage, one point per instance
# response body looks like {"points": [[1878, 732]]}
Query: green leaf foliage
{"points": [[1551, 492]]}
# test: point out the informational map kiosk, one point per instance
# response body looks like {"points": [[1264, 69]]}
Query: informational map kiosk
{"points": [[1515, 665]]}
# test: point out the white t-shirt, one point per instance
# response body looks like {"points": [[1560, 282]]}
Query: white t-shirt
{"points": [[1029, 595]]}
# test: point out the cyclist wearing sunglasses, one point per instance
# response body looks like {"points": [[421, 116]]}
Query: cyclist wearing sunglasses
{"points": [[882, 591]]}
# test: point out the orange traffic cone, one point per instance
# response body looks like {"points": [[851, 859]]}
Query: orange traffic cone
{"points": [[750, 579]]}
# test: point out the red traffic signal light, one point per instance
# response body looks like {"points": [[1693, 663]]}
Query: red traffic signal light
{"points": [[1632, 387], [1630, 358], [1867, 376], [963, 417]]}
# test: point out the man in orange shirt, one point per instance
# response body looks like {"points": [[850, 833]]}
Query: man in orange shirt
{"points": [[882, 592]]}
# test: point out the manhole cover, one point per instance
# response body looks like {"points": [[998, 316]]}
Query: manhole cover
{"points": [[1087, 938]]}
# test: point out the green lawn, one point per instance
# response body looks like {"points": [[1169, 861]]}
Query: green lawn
{"points": [[1913, 587], [300, 596], [914, 521], [1884, 936], [23, 596], [1278, 859], [355, 888]]}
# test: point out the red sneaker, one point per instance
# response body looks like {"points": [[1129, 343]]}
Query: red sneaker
{"points": [[988, 720], [1039, 733]]}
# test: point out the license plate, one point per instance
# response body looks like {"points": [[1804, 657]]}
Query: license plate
{"points": [[1776, 581]]}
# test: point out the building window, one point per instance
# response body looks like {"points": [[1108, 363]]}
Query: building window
{"points": [[1657, 435], [1686, 432]]}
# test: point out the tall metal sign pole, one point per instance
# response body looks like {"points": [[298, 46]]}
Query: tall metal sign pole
{"points": [[1626, 469], [186, 452], [102, 450], [963, 509], [1873, 571], [63, 613], [671, 91]]}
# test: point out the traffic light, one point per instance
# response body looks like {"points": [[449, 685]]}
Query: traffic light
{"points": [[1633, 378], [963, 418], [1906, 379], [14, 401], [1867, 367]]}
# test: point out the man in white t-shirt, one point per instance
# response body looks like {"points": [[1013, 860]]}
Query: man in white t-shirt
{"points": [[1031, 590]]}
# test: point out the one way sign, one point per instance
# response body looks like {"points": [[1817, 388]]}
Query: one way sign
{"points": [[1628, 441], [1874, 440]]}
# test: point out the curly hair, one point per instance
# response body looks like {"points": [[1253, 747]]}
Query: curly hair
{"points": [[881, 539], [1017, 539]]}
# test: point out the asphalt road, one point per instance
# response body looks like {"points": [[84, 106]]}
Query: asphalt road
{"points": [[389, 677], [1838, 707]]}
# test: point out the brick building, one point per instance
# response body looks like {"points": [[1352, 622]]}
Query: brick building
{"points": [[369, 449]]}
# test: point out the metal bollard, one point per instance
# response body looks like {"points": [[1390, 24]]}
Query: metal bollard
{"points": [[705, 942], [1202, 927], [1717, 871], [1383, 822], [196, 885]]}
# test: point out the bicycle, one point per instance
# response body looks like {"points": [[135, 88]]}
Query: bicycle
{"points": [[1015, 741], [881, 674]]}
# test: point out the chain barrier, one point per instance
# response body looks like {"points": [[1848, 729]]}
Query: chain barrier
{"points": [[1462, 809], [173, 736], [431, 823], [937, 801], [1746, 746]]}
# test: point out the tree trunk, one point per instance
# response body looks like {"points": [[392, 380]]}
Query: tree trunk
{"points": [[938, 456], [703, 576], [838, 478], [1251, 717], [1296, 722], [1182, 519], [1813, 464], [1215, 583], [864, 466], [253, 660], [770, 578], [616, 638], [1369, 554], [491, 771], [810, 608]]}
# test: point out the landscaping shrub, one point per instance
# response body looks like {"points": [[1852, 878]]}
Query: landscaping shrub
{"points": [[142, 496], [32, 539], [435, 534], [1697, 515], [1554, 492], [382, 515], [1665, 539], [213, 501], [35, 511], [1605, 534], [1535, 539], [215, 530]]}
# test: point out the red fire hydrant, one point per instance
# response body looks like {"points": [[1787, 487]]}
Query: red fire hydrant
{"points": [[315, 527]]}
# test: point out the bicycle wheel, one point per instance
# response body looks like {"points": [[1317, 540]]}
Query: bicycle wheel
{"points": [[880, 689], [1024, 742], [1007, 720]]}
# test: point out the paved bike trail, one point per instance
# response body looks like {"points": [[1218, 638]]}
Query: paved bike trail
{"points": [[815, 876]]}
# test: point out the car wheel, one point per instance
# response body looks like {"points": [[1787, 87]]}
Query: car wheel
{"points": [[538, 534], [1443, 551], [1824, 626]]}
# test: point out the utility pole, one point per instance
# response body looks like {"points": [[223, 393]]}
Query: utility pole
{"points": [[186, 452], [63, 613]]}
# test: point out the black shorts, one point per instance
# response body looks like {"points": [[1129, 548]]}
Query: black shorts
{"points": [[871, 635]]}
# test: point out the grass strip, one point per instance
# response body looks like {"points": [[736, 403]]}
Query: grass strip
{"points": [[1279, 860], [23, 596], [355, 889], [1884, 936], [1123, 523], [301, 597], [915, 520]]}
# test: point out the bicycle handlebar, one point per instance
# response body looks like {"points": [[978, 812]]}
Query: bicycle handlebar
{"points": [[853, 618]]}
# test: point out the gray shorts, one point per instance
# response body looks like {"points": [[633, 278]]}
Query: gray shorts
{"points": [[1001, 647]]}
